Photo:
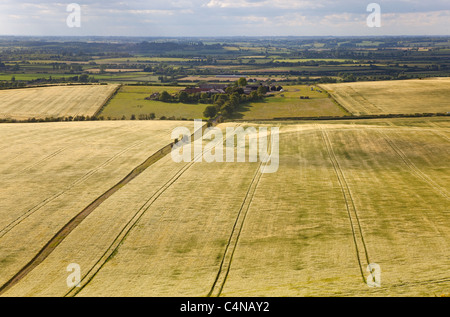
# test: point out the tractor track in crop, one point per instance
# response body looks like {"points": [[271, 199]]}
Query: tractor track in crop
{"points": [[43, 203], [43, 160], [437, 130], [413, 168], [233, 240], [357, 233], [118, 240], [76, 220]]}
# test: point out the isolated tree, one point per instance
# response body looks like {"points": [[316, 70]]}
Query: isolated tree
{"points": [[210, 112]]}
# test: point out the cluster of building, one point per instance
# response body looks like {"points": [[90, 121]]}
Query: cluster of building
{"points": [[207, 88], [269, 88], [220, 88], [213, 89]]}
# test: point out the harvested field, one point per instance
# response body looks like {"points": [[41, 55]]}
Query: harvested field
{"points": [[347, 194], [55, 101], [393, 97]]}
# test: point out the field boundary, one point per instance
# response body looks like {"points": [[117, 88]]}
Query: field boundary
{"points": [[106, 101], [332, 97], [322, 118], [54, 85], [364, 117]]}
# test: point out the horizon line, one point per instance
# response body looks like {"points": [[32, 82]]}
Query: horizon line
{"points": [[229, 36]]}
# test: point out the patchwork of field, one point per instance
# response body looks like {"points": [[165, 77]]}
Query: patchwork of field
{"points": [[231, 78], [55, 101], [346, 194], [288, 104], [393, 97], [131, 100]]}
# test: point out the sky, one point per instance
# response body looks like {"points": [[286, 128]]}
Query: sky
{"points": [[215, 18]]}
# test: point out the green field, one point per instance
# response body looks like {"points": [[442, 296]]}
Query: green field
{"points": [[141, 59], [33, 76], [131, 100], [302, 60], [288, 104]]}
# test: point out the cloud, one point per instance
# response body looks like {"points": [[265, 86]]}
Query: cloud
{"points": [[223, 17], [270, 4]]}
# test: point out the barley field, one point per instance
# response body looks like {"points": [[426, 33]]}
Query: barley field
{"points": [[54, 101], [51, 171], [393, 97], [346, 195]]}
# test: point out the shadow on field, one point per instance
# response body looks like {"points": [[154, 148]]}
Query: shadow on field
{"points": [[242, 109]]}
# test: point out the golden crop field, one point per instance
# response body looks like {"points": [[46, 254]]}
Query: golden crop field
{"points": [[51, 171], [393, 97], [54, 101], [346, 195]]}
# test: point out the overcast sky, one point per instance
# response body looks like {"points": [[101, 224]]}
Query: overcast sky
{"points": [[225, 17]]}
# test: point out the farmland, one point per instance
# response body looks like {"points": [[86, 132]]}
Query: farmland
{"points": [[399, 97], [346, 194], [90, 182], [131, 100], [57, 178], [56, 101], [172, 61], [288, 104]]}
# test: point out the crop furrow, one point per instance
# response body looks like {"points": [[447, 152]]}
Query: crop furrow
{"points": [[414, 169], [358, 237], [227, 258], [113, 247]]}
